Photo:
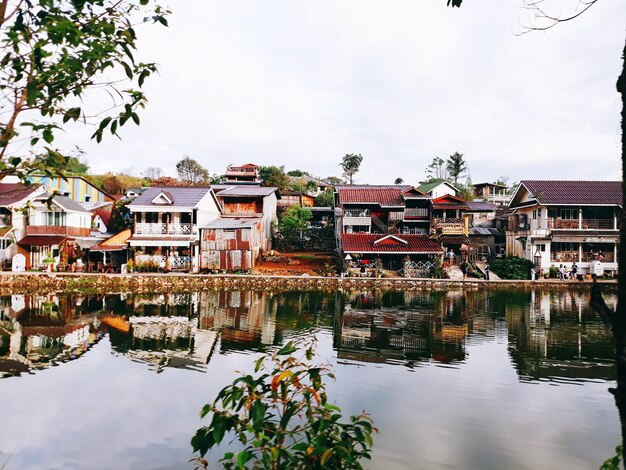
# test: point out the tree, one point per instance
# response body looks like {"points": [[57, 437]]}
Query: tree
{"points": [[616, 321], [297, 173], [165, 181], [436, 171], [152, 173], [293, 219], [283, 419], [456, 166], [334, 180], [53, 53], [274, 176], [325, 199], [398, 181], [76, 166], [121, 218], [350, 164], [190, 172]]}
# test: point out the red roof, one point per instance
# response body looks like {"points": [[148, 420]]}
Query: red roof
{"points": [[41, 240], [365, 243], [370, 194], [450, 202], [575, 192]]}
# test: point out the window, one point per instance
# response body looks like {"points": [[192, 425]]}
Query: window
{"points": [[87, 198], [534, 214], [541, 247], [54, 218], [66, 194]]}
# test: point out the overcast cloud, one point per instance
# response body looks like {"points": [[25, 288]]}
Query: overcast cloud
{"points": [[301, 84]]}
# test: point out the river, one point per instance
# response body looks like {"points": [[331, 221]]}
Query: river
{"points": [[467, 379]]}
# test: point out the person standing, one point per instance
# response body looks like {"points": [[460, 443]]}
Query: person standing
{"points": [[574, 271], [487, 271], [532, 274], [464, 270], [451, 256]]}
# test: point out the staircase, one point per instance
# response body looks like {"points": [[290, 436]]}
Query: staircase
{"points": [[380, 224], [455, 273], [492, 276]]}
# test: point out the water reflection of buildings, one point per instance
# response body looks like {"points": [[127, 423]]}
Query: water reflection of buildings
{"points": [[405, 326], [36, 332], [557, 336]]}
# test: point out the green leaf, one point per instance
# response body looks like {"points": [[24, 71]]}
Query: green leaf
{"points": [[258, 363], [243, 457], [328, 453], [72, 113], [287, 349], [128, 70], [47, 135]]}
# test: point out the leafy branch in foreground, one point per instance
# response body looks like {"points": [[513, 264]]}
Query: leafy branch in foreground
{"points": [[282, 419]]}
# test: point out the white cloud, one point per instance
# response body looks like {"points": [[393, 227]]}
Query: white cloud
{"points": [[301, 84]]}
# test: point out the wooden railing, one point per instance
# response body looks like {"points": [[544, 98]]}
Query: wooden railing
{"points": [[587, 224], [58, 230]]}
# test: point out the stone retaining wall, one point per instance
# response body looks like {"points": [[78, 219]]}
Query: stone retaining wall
{"points": [[145, 283]]}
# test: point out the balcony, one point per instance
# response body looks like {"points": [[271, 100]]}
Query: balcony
{"points": [[587, 257], [145, 228], [353, 217], [576, 224], [416, 213]]}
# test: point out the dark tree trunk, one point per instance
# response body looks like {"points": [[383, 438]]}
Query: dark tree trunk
{"points": [[619, 319]]}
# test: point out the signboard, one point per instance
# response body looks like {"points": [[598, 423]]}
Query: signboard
{"points": [[599, 240], [19, 263]]}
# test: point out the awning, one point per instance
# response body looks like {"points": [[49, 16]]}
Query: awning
{"points": [[42, 240], [109, 247], [87, 242]]}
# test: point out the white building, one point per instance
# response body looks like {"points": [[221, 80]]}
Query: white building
{"points": [[566, 222]]}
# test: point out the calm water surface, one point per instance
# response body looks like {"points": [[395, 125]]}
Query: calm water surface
{"points": [[468, 380]]}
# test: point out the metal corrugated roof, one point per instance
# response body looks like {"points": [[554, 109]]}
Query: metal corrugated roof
{"points": [[365, 243], [247, 191], [41, 240], [10, 193], [388, 195], [233, 223]]}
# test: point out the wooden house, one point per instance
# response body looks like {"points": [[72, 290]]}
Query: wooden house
{"points": [[292, 198], [236, 240], [242, 174], [564, 222]]}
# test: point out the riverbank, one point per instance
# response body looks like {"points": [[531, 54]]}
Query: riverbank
{"points": [[31, 283]]}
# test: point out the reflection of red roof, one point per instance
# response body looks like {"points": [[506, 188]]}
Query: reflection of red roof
{"points": [[369, 194], [365, 243], [41, 240]]}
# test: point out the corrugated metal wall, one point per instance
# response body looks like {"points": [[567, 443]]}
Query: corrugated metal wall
{"points": [[230, 250]]}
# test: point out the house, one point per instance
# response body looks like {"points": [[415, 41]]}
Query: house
{"points": [[54, 229], [292, 198], [438, 188], [383, 222], [101, 213], [236, 240], [167, 221], [449, 224], [492, 192], [77, 188], [112, 253], [557, 222], [244, 174], [14, 199], [485, 238]]}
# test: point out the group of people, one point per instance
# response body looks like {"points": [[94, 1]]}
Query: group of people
{"points": [[564, 275]]}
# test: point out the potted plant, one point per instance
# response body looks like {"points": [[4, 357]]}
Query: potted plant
{"points": [[48, 261]]}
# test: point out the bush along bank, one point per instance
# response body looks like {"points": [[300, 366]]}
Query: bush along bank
{"points": [[111, 283]]}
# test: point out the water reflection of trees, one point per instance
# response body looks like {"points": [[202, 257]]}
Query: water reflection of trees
{"points": [[551, 335]]}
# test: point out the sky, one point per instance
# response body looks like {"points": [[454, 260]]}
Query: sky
{"points": [[300, 84]]}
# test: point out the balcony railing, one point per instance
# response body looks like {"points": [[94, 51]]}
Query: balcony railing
{"points": [[356, 213], [414, 231], [572, 256], [146, 228], [450, 226], [575, 224], [416, 213], [58, 230], [160, 261]]}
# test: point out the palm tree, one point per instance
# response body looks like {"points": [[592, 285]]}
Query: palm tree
{"points": [[456, 166]]}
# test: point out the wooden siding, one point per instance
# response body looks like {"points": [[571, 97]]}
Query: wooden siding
{"points": [[58, 230], [242, 206]]}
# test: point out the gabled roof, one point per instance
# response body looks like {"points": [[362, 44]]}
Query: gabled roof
{"points": [[491, 185], [561, 192], [182, 196], [233, 223], [428, 187], [449, 202], [414, 193], [248, 191], [163, 198], [12, 193], [385, 196], [398, 244], [68, 204]]}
